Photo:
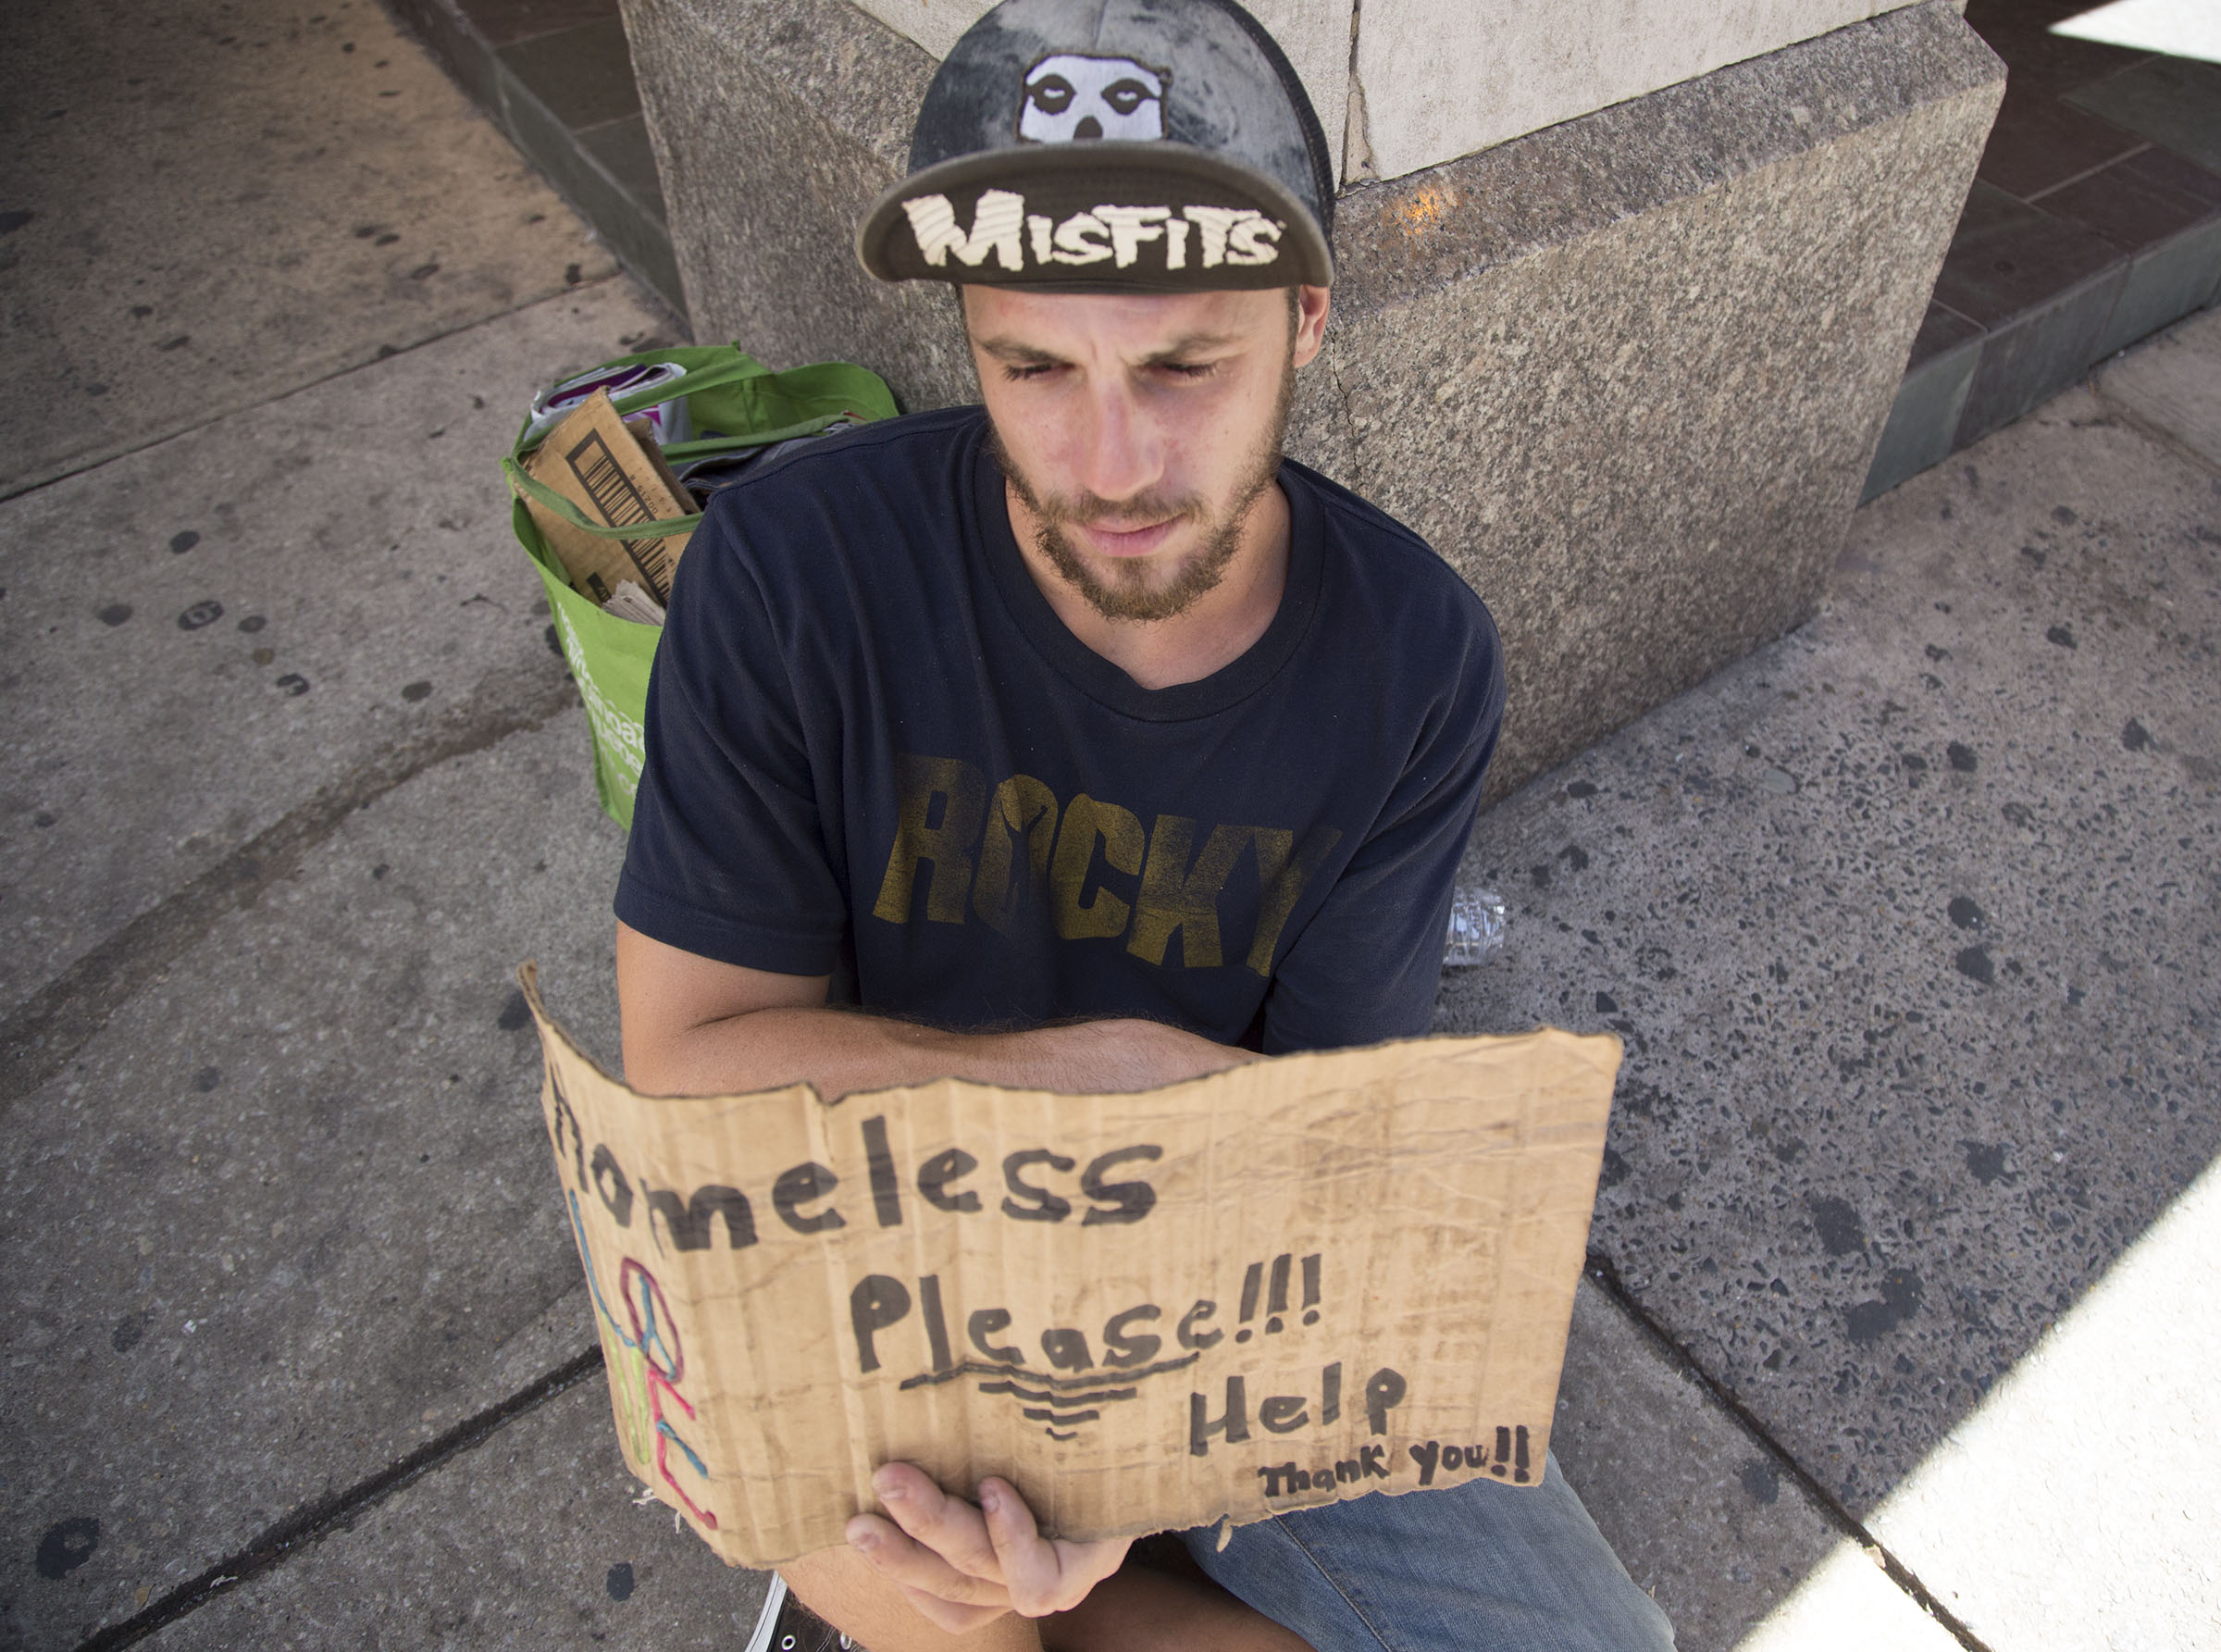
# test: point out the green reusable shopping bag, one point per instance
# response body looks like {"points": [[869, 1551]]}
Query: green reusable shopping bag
{"points": [[736, 403]]}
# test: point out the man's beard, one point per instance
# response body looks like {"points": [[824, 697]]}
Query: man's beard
{"points": [[1129, 594]]}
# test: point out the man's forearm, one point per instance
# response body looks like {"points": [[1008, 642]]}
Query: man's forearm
{"points": [[841, 1050]]}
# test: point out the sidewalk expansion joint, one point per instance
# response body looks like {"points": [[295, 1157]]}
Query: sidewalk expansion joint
{"points": [[85, 462], [2150, 429], [41, 1036], [307, 1526], [1605, 1275]]}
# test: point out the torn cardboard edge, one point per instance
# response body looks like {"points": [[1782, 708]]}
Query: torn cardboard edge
{"points": [[1294, 1282]]}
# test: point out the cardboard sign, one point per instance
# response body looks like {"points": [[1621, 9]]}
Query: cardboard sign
{"points": [[1300, 1280], [597, 462]]}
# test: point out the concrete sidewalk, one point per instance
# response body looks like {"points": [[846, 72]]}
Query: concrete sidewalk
{"points": [[1909, 921]]}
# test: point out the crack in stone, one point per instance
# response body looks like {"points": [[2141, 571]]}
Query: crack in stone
{"points": [[1605, 1275], [307, 1526], [95, 458], [38, 1037], [2150, 429]]}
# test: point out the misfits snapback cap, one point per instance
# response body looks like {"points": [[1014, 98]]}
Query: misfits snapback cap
{"points": [[1110, 145]]}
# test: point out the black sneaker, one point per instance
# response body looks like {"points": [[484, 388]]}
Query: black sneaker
{"points": [[787, 1625]]}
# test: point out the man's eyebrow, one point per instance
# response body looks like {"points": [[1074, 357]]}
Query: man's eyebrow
{"points": [[1195, 343], [1015, 351]]}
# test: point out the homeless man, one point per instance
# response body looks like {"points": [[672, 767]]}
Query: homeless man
{"points": [[1083, 742]]}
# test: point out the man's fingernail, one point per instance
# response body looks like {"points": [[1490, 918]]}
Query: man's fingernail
{"points": [[866, 1540], [990, 1499]]}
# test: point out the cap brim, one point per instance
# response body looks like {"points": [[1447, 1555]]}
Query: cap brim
{"points": [[1172, 218]]}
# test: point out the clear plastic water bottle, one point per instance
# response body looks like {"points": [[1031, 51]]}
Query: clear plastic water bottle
{"points": [[1476, 927]]}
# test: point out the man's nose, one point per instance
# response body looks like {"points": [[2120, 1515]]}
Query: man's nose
{"points": [[1121, 453]]}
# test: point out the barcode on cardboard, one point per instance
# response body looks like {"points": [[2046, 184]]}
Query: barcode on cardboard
{"points": [[620, 504]]}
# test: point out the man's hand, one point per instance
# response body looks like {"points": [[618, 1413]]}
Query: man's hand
{"points": [[962, 1566]]}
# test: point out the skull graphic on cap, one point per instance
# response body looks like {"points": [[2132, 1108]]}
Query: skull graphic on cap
{"points": [[1070, 97]]}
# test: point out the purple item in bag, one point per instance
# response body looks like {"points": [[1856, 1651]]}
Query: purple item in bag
{"points": [[669, 419]]}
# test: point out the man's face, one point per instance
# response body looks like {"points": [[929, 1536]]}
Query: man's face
{"points": [[1140, 430]]}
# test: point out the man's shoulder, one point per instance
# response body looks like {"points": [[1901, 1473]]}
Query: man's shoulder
{"points": [[1375, 561], [916, 450], [878, 492]]}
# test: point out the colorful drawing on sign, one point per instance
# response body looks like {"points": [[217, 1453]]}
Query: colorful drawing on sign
{"points": [[620, 1356], [643, 1367]]}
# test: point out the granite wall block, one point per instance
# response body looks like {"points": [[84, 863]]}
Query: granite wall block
{"points": [[1628, 374], [1314, 34], [1444, 78]]}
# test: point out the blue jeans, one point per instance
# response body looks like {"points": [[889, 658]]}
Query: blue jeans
{"points": [[1476, 1568]]}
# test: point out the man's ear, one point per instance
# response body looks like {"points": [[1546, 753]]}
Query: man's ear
{"points": [[1311, 303], [960, 323]]}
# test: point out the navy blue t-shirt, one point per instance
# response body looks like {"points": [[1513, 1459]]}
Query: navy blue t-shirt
{"points": [[875, 752]]}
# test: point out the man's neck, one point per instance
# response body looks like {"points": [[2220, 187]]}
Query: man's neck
{"points": [[1212, 632]]}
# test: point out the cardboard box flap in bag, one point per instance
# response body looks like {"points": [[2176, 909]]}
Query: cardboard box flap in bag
{"points": [[595, 460], [1296, 1281]]}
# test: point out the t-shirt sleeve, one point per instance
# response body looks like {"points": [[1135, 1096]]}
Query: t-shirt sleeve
{"points": [[1368, 965], [728, 857]]}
